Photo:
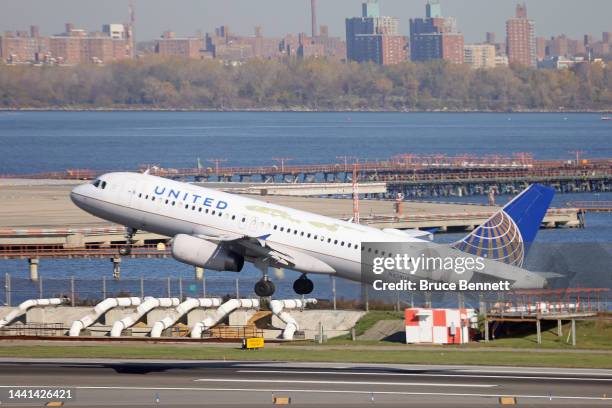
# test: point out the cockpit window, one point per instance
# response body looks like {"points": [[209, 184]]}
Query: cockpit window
{"points": [[96, 183], [103, 185]]}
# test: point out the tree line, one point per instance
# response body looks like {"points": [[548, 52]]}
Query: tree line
{"points": [[311, 84]]}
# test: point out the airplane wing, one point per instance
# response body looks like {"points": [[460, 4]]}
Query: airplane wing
{"points": [[276, 255], [218, 239]]}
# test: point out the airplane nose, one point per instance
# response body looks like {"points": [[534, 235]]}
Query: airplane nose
{"points": [[77, 195]]}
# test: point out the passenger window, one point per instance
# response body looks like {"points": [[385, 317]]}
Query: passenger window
{"points": [[348, 245], [233, 217], [275, 227], [166, 201], [213, 212], [220, 213], [174, 202], [308, 236], [335, 242], [200, 209], [295, 232], [139, 195], [146, 197], [152, 198], [328, 240]]}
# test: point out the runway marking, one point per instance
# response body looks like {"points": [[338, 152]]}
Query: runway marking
{"points": [[420, 375], [440, 394], [466, 370], [345, 382]]}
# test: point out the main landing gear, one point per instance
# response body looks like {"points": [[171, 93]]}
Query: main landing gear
{"points": [[303, 285], [129, 241], [264, 287]]}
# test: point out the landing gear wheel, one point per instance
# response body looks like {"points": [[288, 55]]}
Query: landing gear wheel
{"points": [[264, 288], [125, 250], [303, 285]]}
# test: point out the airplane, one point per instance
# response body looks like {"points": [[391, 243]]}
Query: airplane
{"points": [[221, 231]]}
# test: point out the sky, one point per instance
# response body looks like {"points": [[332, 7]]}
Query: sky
{"points": [[278, 17]]}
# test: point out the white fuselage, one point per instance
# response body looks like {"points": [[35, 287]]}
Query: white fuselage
{"points": [[169, 208]]}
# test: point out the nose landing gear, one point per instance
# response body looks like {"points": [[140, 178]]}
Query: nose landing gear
{"points": [[129, 241], [303, 285]]}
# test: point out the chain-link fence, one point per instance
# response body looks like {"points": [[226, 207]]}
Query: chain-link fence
{"points": [[330, 291], [87, 291]]}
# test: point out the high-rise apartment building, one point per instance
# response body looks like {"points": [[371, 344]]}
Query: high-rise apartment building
{"points": [[435, 37], [169, 45], [333, 47], [520, 38], [370, 8], [374, 38], [479, 56], [22, 47]]}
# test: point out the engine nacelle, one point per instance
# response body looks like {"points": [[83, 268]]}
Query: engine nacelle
{"points": [[199, 252]]}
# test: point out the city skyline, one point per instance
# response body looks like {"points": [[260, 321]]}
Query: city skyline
{"points": [[474, 17]]}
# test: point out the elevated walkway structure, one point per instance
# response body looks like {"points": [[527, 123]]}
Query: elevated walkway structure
{"points": [[180, 311], [100, 309], [226, 308], [536, 305], [145, 307], [30, 303], [280, 307]]}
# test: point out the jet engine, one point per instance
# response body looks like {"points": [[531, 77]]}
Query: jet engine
{"points": [[199, 252]]}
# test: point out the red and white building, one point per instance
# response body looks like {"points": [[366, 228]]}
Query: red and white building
{"points": [[439, 326]]}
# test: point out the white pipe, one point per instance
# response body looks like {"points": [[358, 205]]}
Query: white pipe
{"points": [[220, 313], [145, 307], [101, 308], [24, 306], [180, 311], [278, 306]]}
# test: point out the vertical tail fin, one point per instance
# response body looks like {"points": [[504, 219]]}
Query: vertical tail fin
{"points": [[507, 235]]}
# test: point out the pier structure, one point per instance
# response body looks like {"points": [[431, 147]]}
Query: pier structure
{"points": [[412, 175]]}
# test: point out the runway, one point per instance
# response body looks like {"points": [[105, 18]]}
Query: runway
{"points": [[137, 383]]}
